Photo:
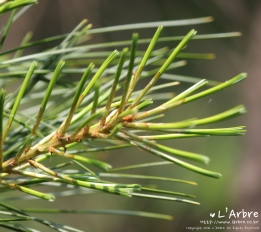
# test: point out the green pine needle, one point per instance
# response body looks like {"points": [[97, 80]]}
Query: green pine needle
{"points": [[51, 111]]}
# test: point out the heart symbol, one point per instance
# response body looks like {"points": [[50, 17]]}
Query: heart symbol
{"points": [[212, 214]]}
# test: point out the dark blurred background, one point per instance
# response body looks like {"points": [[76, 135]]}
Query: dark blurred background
{"points": [[237, 158]]}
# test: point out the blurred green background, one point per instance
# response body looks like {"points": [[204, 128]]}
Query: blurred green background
{"points": [[237, 158]]}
